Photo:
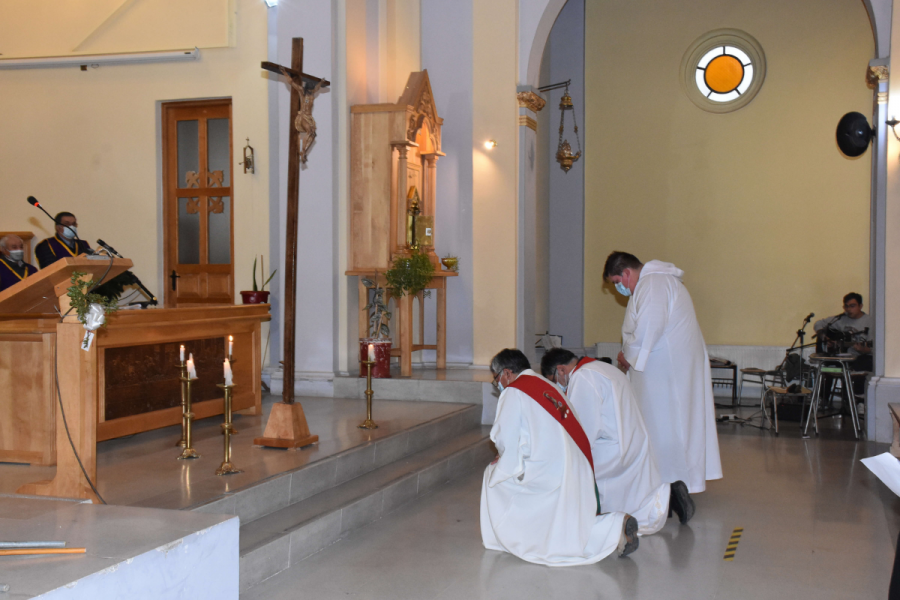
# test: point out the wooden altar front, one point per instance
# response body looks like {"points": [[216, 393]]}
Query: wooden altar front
{"points": [[126, 383]]}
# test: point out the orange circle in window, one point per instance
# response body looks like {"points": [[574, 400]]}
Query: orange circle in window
{"points": [[724, 73]]}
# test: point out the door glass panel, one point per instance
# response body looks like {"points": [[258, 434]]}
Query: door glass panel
{"points": [[189, 231], [219, 230], [188, 154], [218, 153]]}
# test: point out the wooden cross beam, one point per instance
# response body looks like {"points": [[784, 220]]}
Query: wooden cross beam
{"points": [[309, 81], [293, 192], [287, 426]]}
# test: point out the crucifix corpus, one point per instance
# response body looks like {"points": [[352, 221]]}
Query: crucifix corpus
{"points": [[287, 427]]}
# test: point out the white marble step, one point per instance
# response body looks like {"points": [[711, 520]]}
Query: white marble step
{"points": [[281, 490], [283, 538]]}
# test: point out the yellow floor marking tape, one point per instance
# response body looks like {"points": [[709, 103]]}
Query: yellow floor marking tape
{"points": [[733, 543]]}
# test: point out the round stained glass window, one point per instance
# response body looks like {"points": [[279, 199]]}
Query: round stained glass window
{"points": [[723, 70]]}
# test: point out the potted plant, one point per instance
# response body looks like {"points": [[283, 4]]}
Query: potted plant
{"points": [[258, 295], [379, 333], [409, 274]]}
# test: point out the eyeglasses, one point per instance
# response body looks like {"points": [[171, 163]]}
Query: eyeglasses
{"points": [[496, 379], [854, 305]]}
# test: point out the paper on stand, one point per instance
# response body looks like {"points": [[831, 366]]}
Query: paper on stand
{"points": [[886, 468]]}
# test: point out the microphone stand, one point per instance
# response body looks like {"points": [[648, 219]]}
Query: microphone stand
{"points": [[801, 334], [75, 233]]}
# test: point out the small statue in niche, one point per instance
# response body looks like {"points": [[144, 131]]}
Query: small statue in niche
{"points": [[304, 122]]}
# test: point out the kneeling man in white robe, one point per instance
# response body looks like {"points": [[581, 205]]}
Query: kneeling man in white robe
{"points": [[538, 498], [627, 477], [664, 352]]}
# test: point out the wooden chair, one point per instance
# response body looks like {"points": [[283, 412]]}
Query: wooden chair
{"points": [[27, 238]]}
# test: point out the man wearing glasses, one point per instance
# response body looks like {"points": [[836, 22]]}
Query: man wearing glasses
{"points": [[852, 331]]}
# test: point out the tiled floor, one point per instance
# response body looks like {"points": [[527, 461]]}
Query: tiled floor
{"points": [[143, 470], [816, 525]]}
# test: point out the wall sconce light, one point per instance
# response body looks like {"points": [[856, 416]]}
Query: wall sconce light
{"points": [[892, 124], [490, 144], [249, 161]]}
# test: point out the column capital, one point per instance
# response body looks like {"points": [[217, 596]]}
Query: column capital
{"points": [[877, 74], [531, 101]]}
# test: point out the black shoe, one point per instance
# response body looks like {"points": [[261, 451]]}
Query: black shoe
{"points": [[629, 541], [680, 501]]}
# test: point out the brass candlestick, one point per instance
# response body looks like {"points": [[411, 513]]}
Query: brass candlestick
{"points": [[368, 423], [182, 366], [226, 468], [233, 430], [189, 451]]}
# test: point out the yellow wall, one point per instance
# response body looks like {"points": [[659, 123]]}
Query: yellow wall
{"points": [[88, 142], [494, 194], [759, 208], [108, 26]]}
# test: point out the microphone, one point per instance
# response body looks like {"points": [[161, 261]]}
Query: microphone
{"points": [[109, 248], [809, 317], [34, 202]]}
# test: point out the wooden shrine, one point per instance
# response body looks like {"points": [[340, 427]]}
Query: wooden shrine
{"points": [[394, 149]]}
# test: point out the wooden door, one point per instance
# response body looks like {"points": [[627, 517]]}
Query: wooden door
{"points": [[198, 207]]}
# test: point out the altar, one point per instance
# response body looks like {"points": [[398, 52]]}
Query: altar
{"points": [[128, 380]]}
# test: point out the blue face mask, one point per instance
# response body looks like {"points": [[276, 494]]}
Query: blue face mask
{"points": [[622, 289]]}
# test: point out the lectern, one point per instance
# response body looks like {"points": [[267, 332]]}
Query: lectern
{"points": [[44, 293]]}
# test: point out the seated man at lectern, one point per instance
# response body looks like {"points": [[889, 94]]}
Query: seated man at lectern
{"points": [[13, 267], [62, 245]]}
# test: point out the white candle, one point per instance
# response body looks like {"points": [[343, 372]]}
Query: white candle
{"points": [[228, 380], [181, 353], [230, 345], [371, 352], [192, 372]]}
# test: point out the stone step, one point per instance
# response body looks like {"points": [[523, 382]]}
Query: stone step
{"points": [[283, 538], [284, 489], [429, 390]]}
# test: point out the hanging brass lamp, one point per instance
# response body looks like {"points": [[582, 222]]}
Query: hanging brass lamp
{"points": [[564, 155]]}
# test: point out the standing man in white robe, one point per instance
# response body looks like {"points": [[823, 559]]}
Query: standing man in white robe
{"points": [[538, 499], [624, 467], [664, 352]]}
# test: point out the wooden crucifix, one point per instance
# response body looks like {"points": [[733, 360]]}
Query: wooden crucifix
{"points": [[287, 426]]}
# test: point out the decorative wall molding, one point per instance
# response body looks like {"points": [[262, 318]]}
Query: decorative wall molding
{"points": [[531, 101], [526, 121], [876, 74]]}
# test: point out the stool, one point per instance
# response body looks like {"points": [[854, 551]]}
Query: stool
{"points": [[835, 365], [761, 375], [781, 392]]}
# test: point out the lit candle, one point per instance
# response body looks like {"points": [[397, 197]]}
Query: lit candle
{"points": [[230, 345], [192, 372], [181, 353], [371, 352], [228, 380]]}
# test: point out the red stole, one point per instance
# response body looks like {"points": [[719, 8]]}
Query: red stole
{"points": [[555, 404], [581, 362]]}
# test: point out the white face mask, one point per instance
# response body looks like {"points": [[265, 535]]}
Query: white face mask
{"points": [[17, 255], [70, 232], [622, 289], [562, 382]]}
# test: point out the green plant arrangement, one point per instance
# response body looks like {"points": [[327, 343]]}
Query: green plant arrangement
{"points": [[261, 275], [81, 298], [409, 274], [380, 316]]}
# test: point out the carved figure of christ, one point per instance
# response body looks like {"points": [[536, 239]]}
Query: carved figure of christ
{"points": [[297, 78]]}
